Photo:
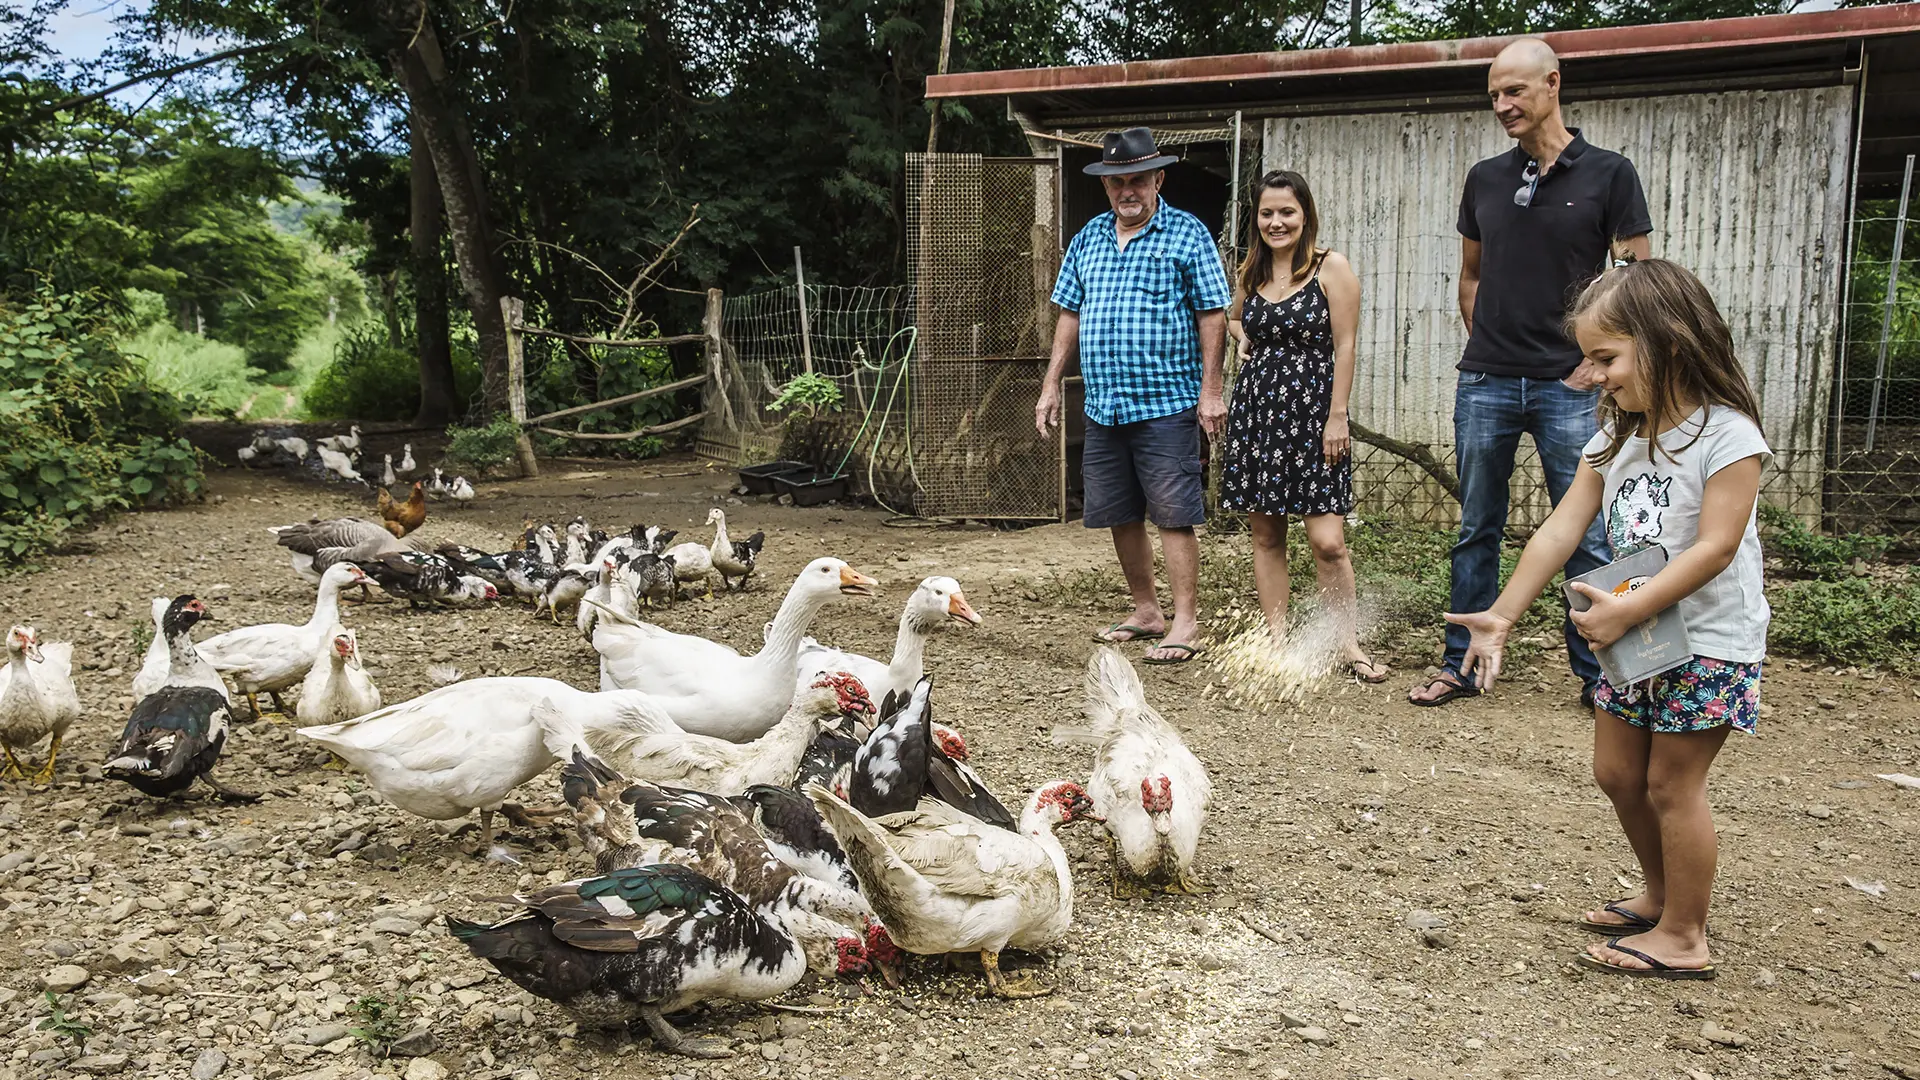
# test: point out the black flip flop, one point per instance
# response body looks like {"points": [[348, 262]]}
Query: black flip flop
{"points": [[1188, 651], [1456, 688], [1134, 633], [1654, 969], [1631, 920], [1354, 666]]}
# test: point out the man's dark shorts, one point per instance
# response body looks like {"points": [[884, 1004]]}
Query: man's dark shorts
{"points": [[1148, 470]]}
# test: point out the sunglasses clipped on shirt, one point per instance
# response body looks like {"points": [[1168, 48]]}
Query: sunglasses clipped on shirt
{"points": [[1531, 177]]}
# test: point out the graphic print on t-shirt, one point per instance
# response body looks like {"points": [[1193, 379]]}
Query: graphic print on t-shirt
{"points": [[1633, 520]]}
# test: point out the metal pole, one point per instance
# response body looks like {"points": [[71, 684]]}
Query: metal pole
{"points": [[1353, 23], [806, 330], [1233, 197], [1893, 294]]}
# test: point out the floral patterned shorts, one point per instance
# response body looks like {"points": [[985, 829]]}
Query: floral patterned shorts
{"points": [[1699, 695]]}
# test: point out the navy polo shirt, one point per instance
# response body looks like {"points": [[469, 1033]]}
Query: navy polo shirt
{"points": [[1535, 259]]}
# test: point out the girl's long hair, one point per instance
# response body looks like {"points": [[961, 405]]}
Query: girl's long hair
{"points": [[1682, 345], [1256, 270]]}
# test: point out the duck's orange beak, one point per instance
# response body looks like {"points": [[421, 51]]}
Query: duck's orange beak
{"points": [[855, 583], [961, 611]]}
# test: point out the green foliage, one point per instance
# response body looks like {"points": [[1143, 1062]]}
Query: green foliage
{"points": [[1807, 554], [485, 448], [370, 379], [809, 395], [212, 377], [1859, 620], [61, 1024], [380, 1021], [87, 432]]}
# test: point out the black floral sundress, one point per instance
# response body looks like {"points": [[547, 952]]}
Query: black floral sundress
{"points": [[1273, 462]]}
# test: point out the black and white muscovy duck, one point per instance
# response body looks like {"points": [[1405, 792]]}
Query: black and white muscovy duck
{"points": [[625, 822], [901, 763], [646, 941], [829, 759], [422, 577], [175, 734], [653, 578], [795, 831]]}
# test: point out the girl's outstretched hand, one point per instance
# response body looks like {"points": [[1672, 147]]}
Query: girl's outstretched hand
{"points": [[1484, 650]]}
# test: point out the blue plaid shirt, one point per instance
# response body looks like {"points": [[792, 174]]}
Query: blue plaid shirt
{"points": [[1139, 352]]}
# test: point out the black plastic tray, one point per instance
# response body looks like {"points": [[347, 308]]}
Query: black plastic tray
{"points": [[809, 488], [758, 479]]}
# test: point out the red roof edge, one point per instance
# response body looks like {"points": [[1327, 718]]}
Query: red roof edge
{"points": [[1570, 44]]}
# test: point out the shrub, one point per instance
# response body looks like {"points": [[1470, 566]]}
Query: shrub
{"points": [[1804, 553], [482, 449], [210, 376], [808, 395], [370, 379], [1860, 620], [87, 431]]}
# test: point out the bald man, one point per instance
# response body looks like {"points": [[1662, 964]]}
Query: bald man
{"points": [[1536, 224]]}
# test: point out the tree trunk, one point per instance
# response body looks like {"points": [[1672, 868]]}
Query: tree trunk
{"points": [[422, 72], [437, 405]]}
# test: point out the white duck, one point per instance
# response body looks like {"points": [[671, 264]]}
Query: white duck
{"points": [[460, 490], [933, 604], [272, 657], [345, 444], [37, 699], [338, 687], [710, 689], [641, 741], [1148, 786], [406, 465], [387, 476], [437, 487], [463, 747], [941, 881], [339, 464], [692, 562], [731, 560], [180, 664]]}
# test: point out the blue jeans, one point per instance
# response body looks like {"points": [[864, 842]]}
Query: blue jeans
{"points": [[1490, 413], [1147, 469]]}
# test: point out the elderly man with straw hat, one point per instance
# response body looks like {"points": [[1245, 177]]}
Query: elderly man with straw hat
{"points": [[1142, 297]]}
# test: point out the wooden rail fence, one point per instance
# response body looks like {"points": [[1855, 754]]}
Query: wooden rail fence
{"points": [[517, 333]]}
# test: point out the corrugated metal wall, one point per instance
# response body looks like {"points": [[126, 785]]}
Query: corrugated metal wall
{"points": [[1747, 189]]}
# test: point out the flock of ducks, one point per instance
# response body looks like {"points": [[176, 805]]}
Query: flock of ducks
{"points": [[337, 457], [752, 817]]}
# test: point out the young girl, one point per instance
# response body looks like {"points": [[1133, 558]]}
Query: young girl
{"points": [[1676, 463], [1288, 450]]}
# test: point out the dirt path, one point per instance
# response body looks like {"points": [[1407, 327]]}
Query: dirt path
{"points": [[1335, 823]]}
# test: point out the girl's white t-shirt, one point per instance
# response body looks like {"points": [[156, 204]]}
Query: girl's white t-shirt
{"points": [[1658, 503]]}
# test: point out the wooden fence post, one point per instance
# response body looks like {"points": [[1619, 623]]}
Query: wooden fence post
{"points": [[710, 325], [513, 308]]}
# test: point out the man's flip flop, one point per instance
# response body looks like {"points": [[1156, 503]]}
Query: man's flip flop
{"points": [[1654, 969], [1134, 633], [1455, 689], [1188, 652], [1631, 920]]}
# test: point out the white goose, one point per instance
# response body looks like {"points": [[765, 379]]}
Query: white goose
{"points": [[708, 688], [1146, 784], [641, 741], [937, 601], [463, 747], [941, 881], [37, 699], [272, 657]]}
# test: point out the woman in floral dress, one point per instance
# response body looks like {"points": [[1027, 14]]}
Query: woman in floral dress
{"points": [[1287, 452]]}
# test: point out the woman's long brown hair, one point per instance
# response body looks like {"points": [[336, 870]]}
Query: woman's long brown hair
{"points": [[1256, 270], [1681, 343]]}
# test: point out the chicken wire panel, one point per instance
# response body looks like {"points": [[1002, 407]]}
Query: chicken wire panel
{"points": [[1746, 189], [982, 250], [1873, 477], [857, 337]]}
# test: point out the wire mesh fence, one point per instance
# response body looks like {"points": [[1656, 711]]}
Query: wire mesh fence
{"points": [[1873, 470]]}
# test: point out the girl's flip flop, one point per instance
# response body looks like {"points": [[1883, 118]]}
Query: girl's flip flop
{"points": [[1188, 652], [1630, 921]]}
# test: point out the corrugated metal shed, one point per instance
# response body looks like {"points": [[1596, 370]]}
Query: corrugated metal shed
{"points": [[1747, 189]]}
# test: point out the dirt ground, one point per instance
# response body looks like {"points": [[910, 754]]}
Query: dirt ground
{"points": [[1339, 826]]}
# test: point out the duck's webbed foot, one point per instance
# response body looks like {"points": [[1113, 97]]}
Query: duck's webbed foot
{"points": [[674, 1041]]}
